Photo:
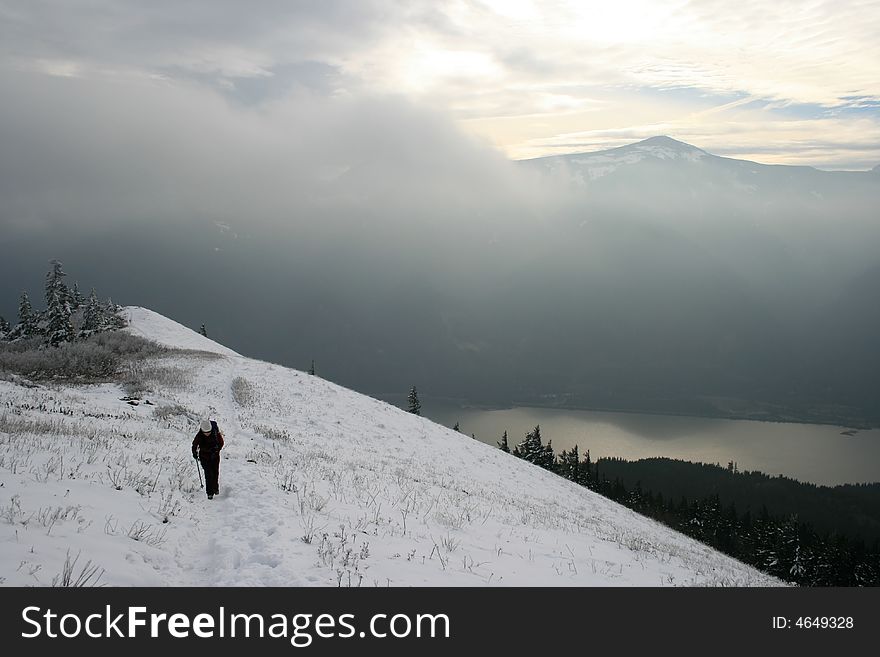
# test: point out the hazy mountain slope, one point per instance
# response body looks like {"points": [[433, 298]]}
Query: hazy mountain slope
{"points": [[724, 264], [674, 278], [319, 485]]}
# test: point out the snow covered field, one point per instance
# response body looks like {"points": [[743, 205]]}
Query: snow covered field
{"points": [[319, 486]]}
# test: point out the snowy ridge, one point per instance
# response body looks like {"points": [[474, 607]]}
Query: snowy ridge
{"points": [[587, 167], [168, 333], [319, 485]]}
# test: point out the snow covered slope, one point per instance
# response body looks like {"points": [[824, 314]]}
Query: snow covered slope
{"points": [[319, 486], [168, 333], [587, 167]]}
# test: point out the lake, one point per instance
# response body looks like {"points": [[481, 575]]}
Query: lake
{"points": [[808, 452]]}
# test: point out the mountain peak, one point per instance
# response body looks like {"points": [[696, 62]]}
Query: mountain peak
{"points": [[666, 143], [585, 167], [664, 140], [660, 147]]}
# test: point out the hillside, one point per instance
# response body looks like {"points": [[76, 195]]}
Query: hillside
{"points": [[319, 486]]}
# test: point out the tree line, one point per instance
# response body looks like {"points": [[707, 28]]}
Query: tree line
{"points": [[68, 316], [784, 545], [850, 509]]}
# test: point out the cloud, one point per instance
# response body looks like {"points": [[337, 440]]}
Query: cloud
{"points": [[97, 152], [823, 55], [223, 40], [517, 73]]}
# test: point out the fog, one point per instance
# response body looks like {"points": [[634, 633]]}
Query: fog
{"points": [[370, 234]]}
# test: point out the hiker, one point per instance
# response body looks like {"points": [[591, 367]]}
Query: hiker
{"points": [[206, 448]]}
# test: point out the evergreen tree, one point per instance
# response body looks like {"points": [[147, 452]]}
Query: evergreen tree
{"points": [[25, 310], [203, 331], [682, 511], [27, 319], [534, 451], [5, 329], [587, 471], [792, 559], [456, 427], [730, 540], [635, 497], [525, 448], [59, 327], [415, 406], [502, 445], [92, 316], [110, 318], [76, 298], [548, 458], [312, 368], [569, 465], [765, 543]]}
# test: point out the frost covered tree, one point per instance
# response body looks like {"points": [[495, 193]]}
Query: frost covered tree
{"points": [[58, 324], [92, 316], [77, 300], [203, 330], [793, 558], [456, 427], [27, 319], [503, 444], [530, 446], [766, 544], [415, 406], [312, 368], [110, 319], [5, 329], [58, 311], [98, 317], [531, 449], [547, 459]]}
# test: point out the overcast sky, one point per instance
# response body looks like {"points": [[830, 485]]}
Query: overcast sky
{"points": [[779, 82]]}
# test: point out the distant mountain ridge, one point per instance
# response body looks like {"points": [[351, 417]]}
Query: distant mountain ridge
{"points": [[659, 147], [740, 269]]}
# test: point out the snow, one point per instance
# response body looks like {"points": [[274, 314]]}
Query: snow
{"points": [[319, 485], [583, 168], [169, 333]]}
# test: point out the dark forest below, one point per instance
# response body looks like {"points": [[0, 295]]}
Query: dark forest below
{"points": [[802, 533]]}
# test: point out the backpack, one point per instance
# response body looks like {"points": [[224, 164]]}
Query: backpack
{"points": [[211, 445]]}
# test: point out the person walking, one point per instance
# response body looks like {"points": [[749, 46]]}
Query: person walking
{"points": [[206, 448]]}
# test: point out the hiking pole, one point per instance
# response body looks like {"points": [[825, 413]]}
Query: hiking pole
{"points": [[201, 485]]}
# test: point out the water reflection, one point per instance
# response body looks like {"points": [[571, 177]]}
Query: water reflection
{"points": [[816, 453]]}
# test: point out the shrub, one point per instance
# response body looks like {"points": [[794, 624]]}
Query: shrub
{"points": [[173, 410], [97, 358], [243, 393], [272, 433]]}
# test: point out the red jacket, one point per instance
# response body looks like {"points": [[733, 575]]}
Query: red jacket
{"points": [[208, 445]]}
